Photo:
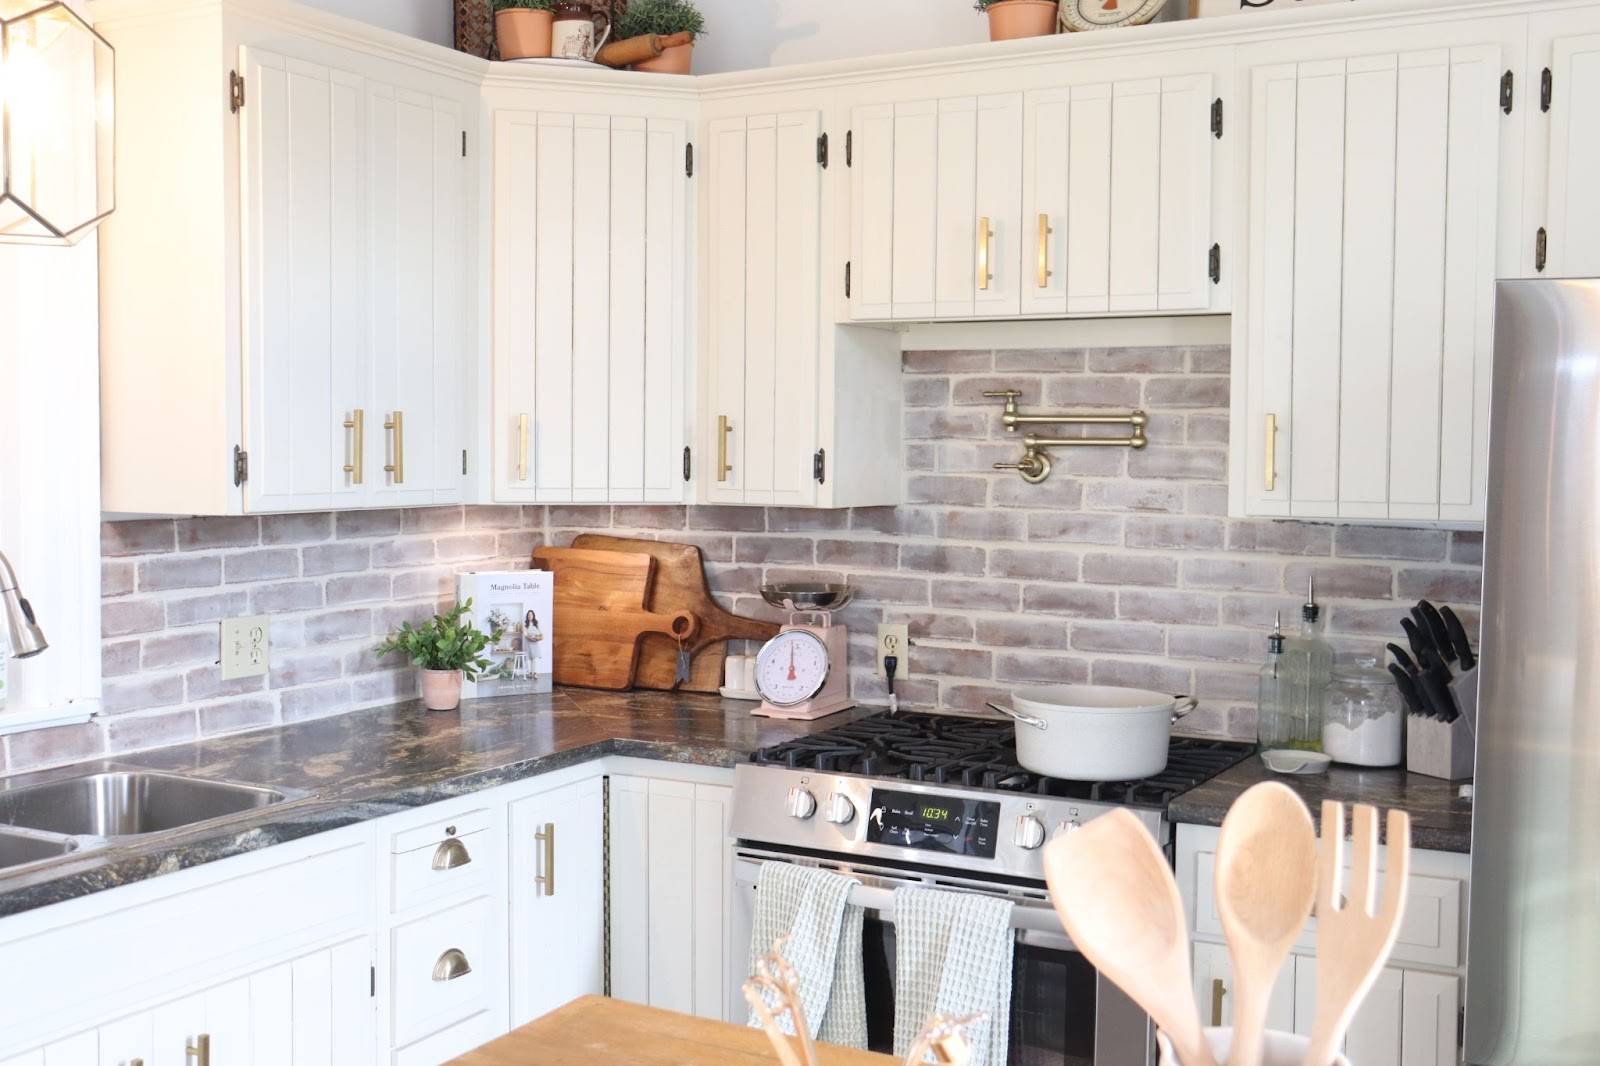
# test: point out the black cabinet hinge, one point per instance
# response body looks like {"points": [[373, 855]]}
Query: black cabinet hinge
{"points": [[1541, 250], [686, 462], [847, 279], [849, 148], [1216, 118], [1547, 89], [1508, 92], [235, 91], [822, 151], [1214, 264], [819, 466], [241, 466], [688, 159]]}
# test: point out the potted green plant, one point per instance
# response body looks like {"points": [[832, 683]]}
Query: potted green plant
{"points": [[663, 18], [522, 28], [1010, 19], [445, 649]]}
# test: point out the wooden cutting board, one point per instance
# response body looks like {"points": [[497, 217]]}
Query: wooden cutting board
{"points": [[680, 585], [602, 602]]}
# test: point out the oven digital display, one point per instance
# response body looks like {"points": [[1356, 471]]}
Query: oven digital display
{"points": [[947, 826]]}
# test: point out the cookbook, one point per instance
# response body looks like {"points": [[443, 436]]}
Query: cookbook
{"points": [[520, 605]]}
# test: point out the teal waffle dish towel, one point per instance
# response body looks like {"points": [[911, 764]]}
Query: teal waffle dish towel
{"points": [[810, 907], [953, 956]]}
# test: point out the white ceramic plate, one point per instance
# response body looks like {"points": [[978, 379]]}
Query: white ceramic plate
{"points": [[1288, 761]]}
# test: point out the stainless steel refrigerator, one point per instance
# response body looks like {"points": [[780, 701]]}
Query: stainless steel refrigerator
{"points": [[1533, 946]]}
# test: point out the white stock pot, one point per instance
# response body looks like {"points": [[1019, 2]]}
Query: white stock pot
{"points": [[1094, 732]]}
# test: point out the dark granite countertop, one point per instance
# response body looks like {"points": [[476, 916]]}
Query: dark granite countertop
{"points": [[1440, 820], [371, 763]]}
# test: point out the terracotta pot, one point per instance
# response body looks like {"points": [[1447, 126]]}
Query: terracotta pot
{"points": [[674, 60], [441, 689], [1011, 19], [523, 34]]}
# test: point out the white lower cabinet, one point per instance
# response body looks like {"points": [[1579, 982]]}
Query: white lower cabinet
{"points": [[670, 893], [557, 898]]}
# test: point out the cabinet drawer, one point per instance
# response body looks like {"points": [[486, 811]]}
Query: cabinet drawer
{"points": [[442, 967], [430, 862], [1430, 930], [447, 1043]]}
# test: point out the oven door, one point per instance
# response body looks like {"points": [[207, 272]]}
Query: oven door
{"points": [[1061, 1011]]}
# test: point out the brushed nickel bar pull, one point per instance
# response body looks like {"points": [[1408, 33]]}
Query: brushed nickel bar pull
{"points": [[522, 447], [1218, 990], [724, 427], [396, 424], [1271, 479], [1044, 251], [547, 837], [984, 277], [198, 1052], [357, 424]]}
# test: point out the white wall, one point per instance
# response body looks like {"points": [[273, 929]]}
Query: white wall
{"points": [[430, 20], [746, 34]]}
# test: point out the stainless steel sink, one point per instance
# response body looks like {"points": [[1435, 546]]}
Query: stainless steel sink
{"points": [[125, 803], [19, 849]]}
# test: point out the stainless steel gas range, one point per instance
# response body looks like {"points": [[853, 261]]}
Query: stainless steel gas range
{"points": [[940, 801]]}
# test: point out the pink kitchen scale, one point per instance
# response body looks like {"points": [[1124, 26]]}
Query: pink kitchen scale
{"points": [[802, 673]]}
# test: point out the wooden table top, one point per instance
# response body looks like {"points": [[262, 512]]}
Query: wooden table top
{"points": [[596, 1031]]}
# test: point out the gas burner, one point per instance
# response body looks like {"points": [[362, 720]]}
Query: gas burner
{"points": [[981, 753]]}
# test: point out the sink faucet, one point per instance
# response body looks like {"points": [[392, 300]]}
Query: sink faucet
{"points": [[26, 637]]}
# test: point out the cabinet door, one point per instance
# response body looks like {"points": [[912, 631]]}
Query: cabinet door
{"points": [[1430, 1019], [763, 342], [306, 339], [1372, 263], [995, 219], [670, 885], [557, 898], [1571, 215], [1374, 1036], [416, 436], [869, 272], [1213, 989]]}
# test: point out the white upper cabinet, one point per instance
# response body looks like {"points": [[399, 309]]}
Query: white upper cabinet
{"points": [[590, 305], [1088, 198], [1562, 237], [1363, 350], [284, 284]]}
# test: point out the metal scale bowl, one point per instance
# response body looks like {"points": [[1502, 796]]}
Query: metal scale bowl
{"points": [[802, 673]]}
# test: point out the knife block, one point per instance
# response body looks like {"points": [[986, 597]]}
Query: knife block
{"points": [[1446, 749]]}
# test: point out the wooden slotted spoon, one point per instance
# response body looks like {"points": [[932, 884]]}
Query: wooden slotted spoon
{"points": [[1354, 937], [1266, 881], [1117, 898]]}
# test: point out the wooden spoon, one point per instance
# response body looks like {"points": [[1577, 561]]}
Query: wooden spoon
{"points": [[1266, 881], [1116, 896]]}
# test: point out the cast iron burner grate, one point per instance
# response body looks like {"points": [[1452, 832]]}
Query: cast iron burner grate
{"points": [[981, 753]]}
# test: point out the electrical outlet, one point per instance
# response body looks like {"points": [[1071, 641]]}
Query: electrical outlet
{"points": [[246, 647], [896, 641]]}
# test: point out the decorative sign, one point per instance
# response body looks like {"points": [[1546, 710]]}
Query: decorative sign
{"points": [[1207, 8]]}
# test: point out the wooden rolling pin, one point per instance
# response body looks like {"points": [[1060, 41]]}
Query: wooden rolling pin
{"points": [[638, 49]]}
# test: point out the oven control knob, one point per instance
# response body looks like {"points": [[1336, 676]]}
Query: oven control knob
{"points": [[1029, 833], [1070, 825], [802, 804], [840, 809]]}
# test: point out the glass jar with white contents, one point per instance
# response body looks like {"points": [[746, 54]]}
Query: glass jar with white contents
{"points": [[1362, 723]]}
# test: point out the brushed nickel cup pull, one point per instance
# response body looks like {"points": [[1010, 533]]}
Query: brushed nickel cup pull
{"points": [[547, 837], [450, 854], [451, 965], [396, 424], [198, 1052], [357, 424]]}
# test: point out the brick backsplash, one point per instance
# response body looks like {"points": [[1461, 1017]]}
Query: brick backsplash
{"points": [[1122, 569]]}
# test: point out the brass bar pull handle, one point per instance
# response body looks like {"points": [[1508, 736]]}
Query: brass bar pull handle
{"points": [[547, 837], [1044, 251], [522, 447], [1218, 990], [724, 427], [397, 426], [357, 424], [984, 277], [451, 965], [450, 854], [1272, 452], [198, 1051]]}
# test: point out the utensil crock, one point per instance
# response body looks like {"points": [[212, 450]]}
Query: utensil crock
{"points": [[1278, 1048]]}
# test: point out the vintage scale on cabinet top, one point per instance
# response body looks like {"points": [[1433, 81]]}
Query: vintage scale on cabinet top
{"points": [[801, 673]]}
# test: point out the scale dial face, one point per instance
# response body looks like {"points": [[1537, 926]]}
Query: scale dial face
{"points": [[1103, 14], [791, 668]]}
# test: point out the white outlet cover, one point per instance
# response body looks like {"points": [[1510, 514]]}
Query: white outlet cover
{"points": [[893, 640], [246, 646]]}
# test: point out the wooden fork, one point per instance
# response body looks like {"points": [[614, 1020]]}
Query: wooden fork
{"points": [[1354, 937]]}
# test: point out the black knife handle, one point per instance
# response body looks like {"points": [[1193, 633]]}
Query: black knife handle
{"points": [[1458, 637], [1437, 630], [1414, 637], [1402, 658], [1408, 690]]}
